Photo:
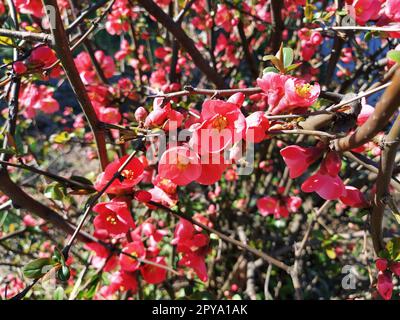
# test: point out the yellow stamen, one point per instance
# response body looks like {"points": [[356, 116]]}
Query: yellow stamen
{"points": [[220, 123], [303, 90]]}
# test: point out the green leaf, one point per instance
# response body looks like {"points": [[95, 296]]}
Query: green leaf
{"points": [[8, 151], [270, 69], [368, 36], [63, 274], [54, 192], [82, 180], [59, 293], [293, 67], [394, 55], [330, 252], [61, 138], [37, 268], [393, 249], [288, 56]]}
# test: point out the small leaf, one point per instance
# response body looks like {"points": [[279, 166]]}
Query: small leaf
{"points": [[54, 191], [6, 41], [63, 273], [293, 67], [288, 56], [8, 151], [270, 69], [330, 252], [61, 138], [59, 293], [37, 268], [394, 55]]}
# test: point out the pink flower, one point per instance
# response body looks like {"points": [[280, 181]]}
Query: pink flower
{"points": [[223, 18], [113, 216], [223, 125], [392, 10], [353, 197], [212, 168], [298, 94], [279, 207], [130, 255], [33, 7], [132, 175], [307, 50], [165, 117], [298, 159], [365, 113], [109, 115], [140, 114], [19, 67], [86, 69], [385, 285], [153, 274], [381, 264], [366, 10], [121, 281], [326, 182], [196, 261], [35, 98], [180, 165], [273, 85], [193, 245], [395, 268], [257, 125], [104, 258], [270, 205]]}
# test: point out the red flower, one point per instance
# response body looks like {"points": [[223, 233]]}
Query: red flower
{"points": [[194, 247], [212, 168], [153, 274], [298, 159], [104, 258], [180, 165], [121, 281], [131, 176], [353, 197], [280, 208], [395, 268], [223, 125], [381, 264], [385, 285], [196, 261], [134, 249], [33, 7], [257, 126], [326, 181], [114, 217]]}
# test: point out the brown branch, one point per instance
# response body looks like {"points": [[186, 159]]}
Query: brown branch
{"points": [[384, 110], [277, 25], [247, 53], [26, 35], [60, 44], [185, 41], [391, 145], [23, 200]]}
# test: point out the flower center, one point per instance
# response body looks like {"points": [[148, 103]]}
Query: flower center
{"points": [[220, 123], [182, 163], [303, 90], [111, 219], [128, 174]]}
